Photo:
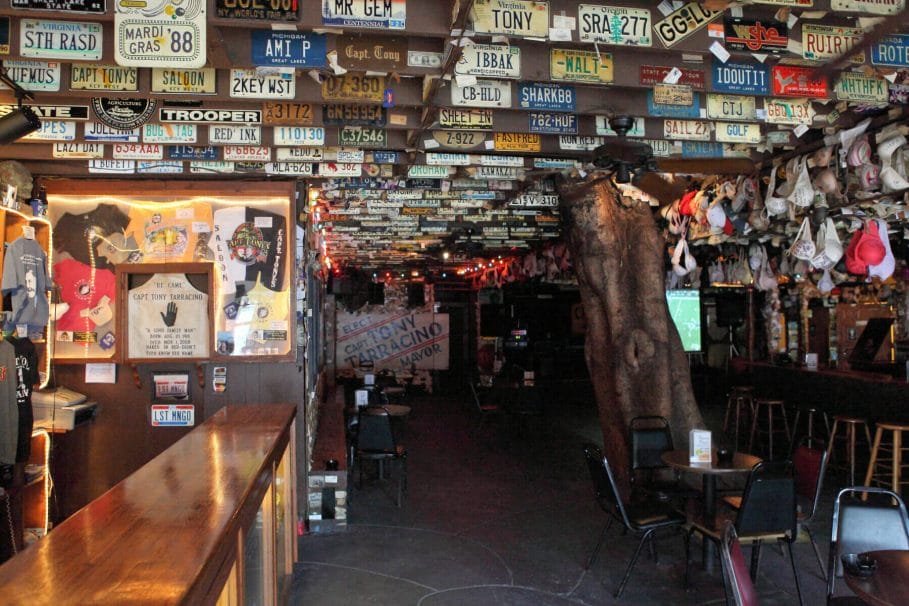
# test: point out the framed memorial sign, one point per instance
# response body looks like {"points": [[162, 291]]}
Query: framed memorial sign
{"points": [[166, 311]]}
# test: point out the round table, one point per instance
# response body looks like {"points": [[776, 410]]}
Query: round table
{"points": [[741, 463], [889, 585]]}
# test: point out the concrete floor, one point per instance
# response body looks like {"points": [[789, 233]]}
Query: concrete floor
{"points": [[506, 516]]}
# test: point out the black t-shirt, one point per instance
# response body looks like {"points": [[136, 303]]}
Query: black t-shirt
{"points": [[26, 378]]}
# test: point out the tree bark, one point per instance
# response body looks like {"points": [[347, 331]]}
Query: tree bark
{"points": [[633, 351]]}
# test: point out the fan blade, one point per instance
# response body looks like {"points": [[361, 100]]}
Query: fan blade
{"points": [[666, 188], [706, 166], [622, 150]]}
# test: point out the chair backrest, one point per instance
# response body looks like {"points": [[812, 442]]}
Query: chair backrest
{"points": [[810, 465], [604, 486], [881, 522], [735, 571], [768, 503], [375, 434], [650, 438]]}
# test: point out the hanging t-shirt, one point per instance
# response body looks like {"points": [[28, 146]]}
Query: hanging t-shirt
{"points": [[26, 378], [25, 280], [77, 234], [168, 318], [83, 289], [249, 244], [169, 234], [9, 409], [261, 323]]}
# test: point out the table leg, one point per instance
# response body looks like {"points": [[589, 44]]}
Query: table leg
{"points": [[708, 549]]}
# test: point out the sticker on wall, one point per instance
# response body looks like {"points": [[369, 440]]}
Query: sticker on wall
{"points": [[170, 33], [219, 379]]}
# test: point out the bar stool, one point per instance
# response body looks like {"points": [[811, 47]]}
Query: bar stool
{"points": [[851, 424], [878, 468], [740, 399], [772, 424], [810, 411]]}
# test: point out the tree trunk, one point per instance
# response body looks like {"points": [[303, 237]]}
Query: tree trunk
{"points": [[633, 351]]}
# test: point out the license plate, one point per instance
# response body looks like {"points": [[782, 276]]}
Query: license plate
{"points": [[299, 154], [745, 78], [794, 81], [469, 119], [535, 200], [112, 167], [249, 84], [788, 111], [858, 87], [490, 60], [648, 75], [517, 142], [234, 135], [78, 150], [41, 39], [673, 111], [33, 75], [443, 159], [246, 153], [103, 77], [459, 139], [580, 66], [738, 132], [548, 97], [358, 135], [137, 151], [96, 131], [426, 171], [53, 130], [673, 94], [873, 7], [172, 415], [183, 81], [511, 18], [288, 49], [209, 167], [485, 93], [299, 135], [303, 169], [578, 143], [825, 42], [638, 129], [352, 87], [354, 115], [188, 152], [614, 25], [388, 14], [558, 124], [731, 107], [300, 114], [350, 155], [169, 133], [891, 50], [691, 130], [337, 169], [684, 22]]}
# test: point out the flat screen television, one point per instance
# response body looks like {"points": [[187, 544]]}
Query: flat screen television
{"points": [[685, 309]]}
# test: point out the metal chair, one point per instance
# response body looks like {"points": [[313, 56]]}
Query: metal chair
{"points": [[859, 525], [739, 588], [643, 518], [376, 442], [767, 511], [810, 465], [483, 404], [650, 438]]}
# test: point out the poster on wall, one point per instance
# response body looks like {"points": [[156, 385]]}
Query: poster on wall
{"points": [[245, 241], [399, 341]]}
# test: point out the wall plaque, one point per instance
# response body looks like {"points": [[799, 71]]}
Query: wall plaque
{"points": [[123, 114], [372, 53]]}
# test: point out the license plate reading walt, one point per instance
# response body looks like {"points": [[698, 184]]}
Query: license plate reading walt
{"points": [[173, 415]]}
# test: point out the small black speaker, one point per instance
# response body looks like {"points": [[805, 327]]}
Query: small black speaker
{"points": [[415, 296], [376, 293], [730, 310]]}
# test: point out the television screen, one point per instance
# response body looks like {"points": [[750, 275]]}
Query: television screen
{"points": [[685, 309]]}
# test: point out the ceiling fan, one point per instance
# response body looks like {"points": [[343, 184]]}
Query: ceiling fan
{"points": [[633, 162]]}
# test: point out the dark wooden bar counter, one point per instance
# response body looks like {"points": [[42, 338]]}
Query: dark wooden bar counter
{"points": [[870, 395], [167, 534]]}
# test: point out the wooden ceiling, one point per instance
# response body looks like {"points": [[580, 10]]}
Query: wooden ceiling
{"points": [[400, 86]]}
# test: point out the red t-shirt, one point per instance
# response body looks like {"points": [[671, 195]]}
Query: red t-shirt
{"points": [[80, 291]]}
